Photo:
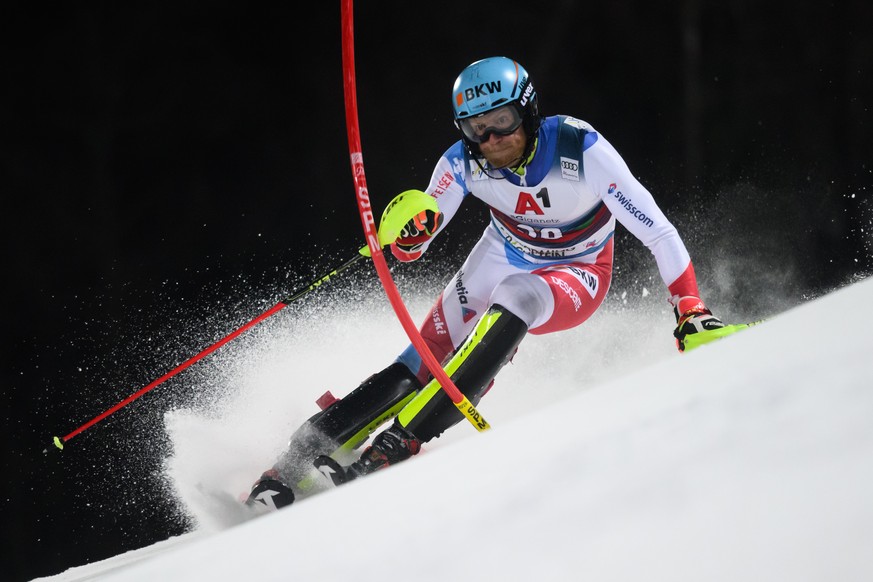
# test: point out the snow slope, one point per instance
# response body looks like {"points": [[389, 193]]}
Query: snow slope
{"points": [[748, 459]]}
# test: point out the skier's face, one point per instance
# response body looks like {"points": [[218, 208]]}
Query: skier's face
{"points": [[504, 150]]}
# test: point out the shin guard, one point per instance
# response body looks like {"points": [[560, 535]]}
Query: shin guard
{"points": [[490, 345]]}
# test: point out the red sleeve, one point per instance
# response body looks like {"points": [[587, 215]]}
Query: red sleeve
{"points": [[685, 284]]}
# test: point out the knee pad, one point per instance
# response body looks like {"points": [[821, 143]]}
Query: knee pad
{"points": [[526, 296]]}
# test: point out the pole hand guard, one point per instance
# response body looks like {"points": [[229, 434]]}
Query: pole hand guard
{"points": [[405, 209]]}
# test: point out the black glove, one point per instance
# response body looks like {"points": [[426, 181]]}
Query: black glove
{"points": [[692, 316]]}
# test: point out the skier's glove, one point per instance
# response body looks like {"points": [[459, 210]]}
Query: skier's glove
{"points": [[692, 316], [415, 233]]}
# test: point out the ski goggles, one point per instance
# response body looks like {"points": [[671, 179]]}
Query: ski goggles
{"points": [[502, 121]]}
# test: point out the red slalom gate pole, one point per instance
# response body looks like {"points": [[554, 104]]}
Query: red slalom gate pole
{"points": [[371, 233], [59, 441]]}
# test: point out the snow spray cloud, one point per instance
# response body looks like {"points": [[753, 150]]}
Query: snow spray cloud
{"points": [[752, 260], [269, 380]]}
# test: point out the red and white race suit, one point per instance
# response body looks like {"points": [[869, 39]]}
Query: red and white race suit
{"points": [[546, 254]]}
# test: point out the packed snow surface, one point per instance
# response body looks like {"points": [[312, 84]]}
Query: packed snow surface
{"points": [[608, 459]]}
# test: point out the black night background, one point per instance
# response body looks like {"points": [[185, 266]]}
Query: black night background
{"points": [[172, 172]]}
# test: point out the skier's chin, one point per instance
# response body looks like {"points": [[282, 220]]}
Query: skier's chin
{"points": [[502, 159]]}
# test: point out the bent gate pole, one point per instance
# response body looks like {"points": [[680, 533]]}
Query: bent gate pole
{"points": [[371, 233]]}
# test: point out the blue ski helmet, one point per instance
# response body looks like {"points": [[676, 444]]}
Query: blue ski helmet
{"points": [[489, 84]]}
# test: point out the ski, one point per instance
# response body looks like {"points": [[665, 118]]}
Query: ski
{"points": [[223, 509], [695, 340]]}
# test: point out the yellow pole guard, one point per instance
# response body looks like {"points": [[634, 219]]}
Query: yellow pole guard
{"points": [[477, 420]]}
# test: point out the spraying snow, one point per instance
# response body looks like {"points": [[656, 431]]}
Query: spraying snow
{"points": [[270, 381]]}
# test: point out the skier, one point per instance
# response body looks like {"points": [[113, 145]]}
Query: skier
{"points": [[555, 188]]}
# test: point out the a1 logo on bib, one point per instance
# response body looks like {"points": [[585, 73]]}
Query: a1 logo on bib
{"points": [[526, 202]]}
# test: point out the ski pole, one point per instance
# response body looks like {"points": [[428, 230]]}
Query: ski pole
{"points": [[59, 441], [373, 241]]}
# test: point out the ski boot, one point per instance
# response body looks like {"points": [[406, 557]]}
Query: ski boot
{"points": [[391, 446]]}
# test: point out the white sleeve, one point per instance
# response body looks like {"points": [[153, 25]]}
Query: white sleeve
{"points": [[447, 185], [634, 207]]}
